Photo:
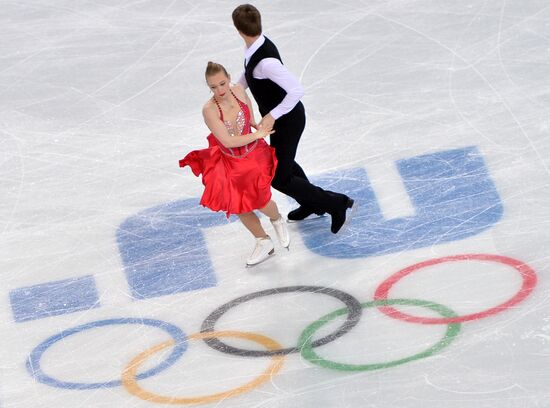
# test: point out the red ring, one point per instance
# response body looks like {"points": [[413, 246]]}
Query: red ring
{"points": [[527, 273]]}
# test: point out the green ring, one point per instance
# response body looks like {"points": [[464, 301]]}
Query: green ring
{"points": [[309, 354]]}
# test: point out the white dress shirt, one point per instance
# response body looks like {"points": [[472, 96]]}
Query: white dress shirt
{"points": [[273, 69]]}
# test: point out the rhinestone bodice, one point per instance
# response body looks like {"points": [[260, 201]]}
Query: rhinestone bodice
{"points": [[237, 127]]}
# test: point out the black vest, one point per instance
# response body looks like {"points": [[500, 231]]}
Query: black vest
{"points": [[266, 92]]}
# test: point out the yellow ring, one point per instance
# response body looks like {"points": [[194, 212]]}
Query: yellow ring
{"points": [[129, 374]]}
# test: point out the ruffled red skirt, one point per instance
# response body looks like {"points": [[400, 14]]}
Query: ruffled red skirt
{"points": [[234, 183]]}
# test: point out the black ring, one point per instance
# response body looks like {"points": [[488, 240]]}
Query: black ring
{"points": [[354, 314]]}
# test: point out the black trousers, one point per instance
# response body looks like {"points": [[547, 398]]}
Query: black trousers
{"points": [[290, 178]]}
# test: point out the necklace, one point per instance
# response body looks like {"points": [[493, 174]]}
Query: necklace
{"points": [[228, 107]]}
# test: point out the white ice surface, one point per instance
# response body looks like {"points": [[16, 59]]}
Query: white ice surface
{"points": [[100, 99]]}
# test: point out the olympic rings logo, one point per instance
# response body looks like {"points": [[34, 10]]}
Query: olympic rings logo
{"points": [[305, 346]]}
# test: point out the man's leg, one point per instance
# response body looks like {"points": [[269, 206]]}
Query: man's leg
{"points": [[312, 199], [302, 211]]}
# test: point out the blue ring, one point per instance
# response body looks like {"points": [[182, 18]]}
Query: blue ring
{"points": [[33, 362]]}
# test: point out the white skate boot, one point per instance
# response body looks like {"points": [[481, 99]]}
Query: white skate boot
{"points": [[282, 232], [264, 249]]}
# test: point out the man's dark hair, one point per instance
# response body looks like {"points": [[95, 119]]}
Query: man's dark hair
{"points": [[247, 20]]}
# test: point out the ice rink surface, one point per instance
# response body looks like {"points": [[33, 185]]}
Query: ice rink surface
{"points": [[119, 290]]}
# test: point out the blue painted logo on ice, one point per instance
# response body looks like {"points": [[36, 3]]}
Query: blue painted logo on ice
{"points": [[164, 251]]}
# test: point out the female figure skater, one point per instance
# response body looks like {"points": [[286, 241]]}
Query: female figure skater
{"points": [[238, 166]]}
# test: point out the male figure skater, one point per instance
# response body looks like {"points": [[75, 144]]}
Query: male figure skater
{"points": [[277, 93]]}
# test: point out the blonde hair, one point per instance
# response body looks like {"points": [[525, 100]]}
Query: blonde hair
{"points": [[212, 68]]}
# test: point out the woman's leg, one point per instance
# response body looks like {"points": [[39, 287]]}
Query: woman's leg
{"points": [[279, 224], [271, 210], [252, 223]]}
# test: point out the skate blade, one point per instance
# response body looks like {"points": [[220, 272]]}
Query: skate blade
{"points": [[310, 218], [269, 255], [349, 218]]}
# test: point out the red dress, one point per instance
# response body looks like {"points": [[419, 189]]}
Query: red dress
{"points": [[237, 179]]}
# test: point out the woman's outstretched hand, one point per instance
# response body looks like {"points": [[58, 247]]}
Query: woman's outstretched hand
{"points": [[267, 121], [262, 132]]}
